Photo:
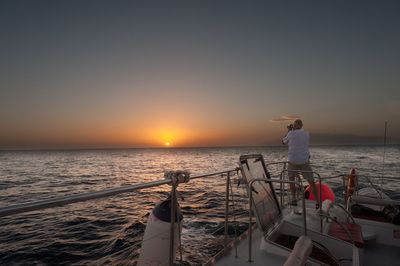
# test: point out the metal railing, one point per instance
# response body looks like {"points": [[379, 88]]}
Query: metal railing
{"points": [[283, 174], [250, 191], [71, 199], [66, 200]]}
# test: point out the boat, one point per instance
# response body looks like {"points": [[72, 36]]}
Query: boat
{"points": [[338, 233], [335, 234]]}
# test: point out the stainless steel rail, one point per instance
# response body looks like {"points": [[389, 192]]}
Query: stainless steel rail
{"points": [[250, 192], [301, 186], [61, 201], [66, 200], [284, 168]]}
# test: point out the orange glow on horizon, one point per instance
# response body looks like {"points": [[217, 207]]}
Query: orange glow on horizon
{"points": [[144, 135], [164, 136]]}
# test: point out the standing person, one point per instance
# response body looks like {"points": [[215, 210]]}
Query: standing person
{"points": [[299, 155]]}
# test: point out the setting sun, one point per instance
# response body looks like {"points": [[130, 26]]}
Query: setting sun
{"points": [[167, 144]]}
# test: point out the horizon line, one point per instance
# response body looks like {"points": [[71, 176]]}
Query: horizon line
{"points": [[181, 147]]}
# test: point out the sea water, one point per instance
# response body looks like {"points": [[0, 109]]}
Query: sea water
{"points": [[109, 231]]}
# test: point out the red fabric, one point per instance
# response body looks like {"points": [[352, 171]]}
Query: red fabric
{"points": [[354, 229], [327, 192]]}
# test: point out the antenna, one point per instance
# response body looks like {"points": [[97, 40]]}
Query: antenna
{"points": [[384, 150], [383, 160]]}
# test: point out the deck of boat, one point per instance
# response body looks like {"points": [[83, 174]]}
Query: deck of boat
{"points": [[382, 255], [373, 254], [259, 257]]}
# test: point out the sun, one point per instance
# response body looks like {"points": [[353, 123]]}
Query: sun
{"points": [[167, 144]]}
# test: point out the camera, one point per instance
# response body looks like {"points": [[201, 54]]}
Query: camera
{"points": [[290, 127]]}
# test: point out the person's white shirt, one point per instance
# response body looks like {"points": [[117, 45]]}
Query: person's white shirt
{"points": [[298, 142]]}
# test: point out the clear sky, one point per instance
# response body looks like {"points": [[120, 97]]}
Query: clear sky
{"points": [[197, 73]]}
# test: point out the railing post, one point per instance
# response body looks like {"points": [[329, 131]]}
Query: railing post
{"points": [[173, 218], [281, 185], [320, 202], [236, 224], [228, 177], [250, 218], [303, 203]]}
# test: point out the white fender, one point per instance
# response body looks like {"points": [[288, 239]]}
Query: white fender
{"points": [[156, 239]]}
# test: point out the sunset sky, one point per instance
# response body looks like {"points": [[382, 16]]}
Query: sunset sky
{"points": [[197, 73]]}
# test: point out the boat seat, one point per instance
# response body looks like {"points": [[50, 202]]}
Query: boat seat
{"points": [[337, 231]]}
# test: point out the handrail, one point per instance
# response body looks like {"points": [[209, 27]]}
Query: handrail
{"points": [[75, 198], [274, 163], [61, 201], [250, 192], [341, 225], [284, 167], [320, 187]]}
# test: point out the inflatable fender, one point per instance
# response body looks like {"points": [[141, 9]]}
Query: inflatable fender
{"points": [[326, 190], [156, 239]]}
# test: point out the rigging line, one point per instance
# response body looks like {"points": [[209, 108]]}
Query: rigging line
{"points": [[384, 155], [384, 150], [234, 217]]}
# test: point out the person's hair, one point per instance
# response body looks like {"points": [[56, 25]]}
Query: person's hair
{"points": [[298, 124]]}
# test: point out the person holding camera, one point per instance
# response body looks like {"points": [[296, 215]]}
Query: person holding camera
{"points": [[299, 157]]}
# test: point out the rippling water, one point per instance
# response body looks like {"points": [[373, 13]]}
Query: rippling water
{"points": [[109, 231]]}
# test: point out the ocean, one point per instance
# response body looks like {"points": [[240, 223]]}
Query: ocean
{"points": [[109, 231]]}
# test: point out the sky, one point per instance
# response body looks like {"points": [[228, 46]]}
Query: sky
{"points": [[197, 73]]}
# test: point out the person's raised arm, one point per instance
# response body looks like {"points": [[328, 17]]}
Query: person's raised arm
{"points": [[285, 139]]}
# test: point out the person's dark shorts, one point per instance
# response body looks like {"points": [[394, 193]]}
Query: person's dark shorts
{"points": [[304, 169]]}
